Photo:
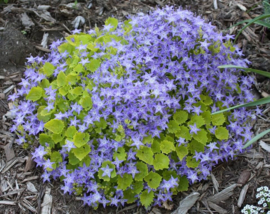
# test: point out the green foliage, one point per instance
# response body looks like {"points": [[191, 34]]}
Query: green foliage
{"points": [[153, 180], [145, 154], [143, 171], [125, 181], [35, 94], [222, 133], [55, 126], [146, 198], [161, 161]]}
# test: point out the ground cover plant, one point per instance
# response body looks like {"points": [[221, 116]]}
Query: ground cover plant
{"points": [[123, 114]]}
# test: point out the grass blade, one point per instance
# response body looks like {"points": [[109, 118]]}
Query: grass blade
{"points": [[259, 22], [263, 23], [251, 22], [254, 103], [257, 137], [264, 73]]}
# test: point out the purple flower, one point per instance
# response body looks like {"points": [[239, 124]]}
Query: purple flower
{"points": [[48, 164], [107, 171], [39, 152], [69, 145], [193, 129]]}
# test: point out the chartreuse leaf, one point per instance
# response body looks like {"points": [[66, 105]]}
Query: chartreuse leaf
{"points": [[191, 162], [222, 133], [120, 154], [92, 47], [48, 69], [218, 119], [206, 100], [56, 157], [168, 174], [44, 112], [195, 146], [93, 65], [198, 120], [207, 117], [70, 132], [35, 94], [44, 138], [77, 90], [153, 180], [56, 126], [57, 137], [167, 146], [183, 184], [71, 79], [181, 152], [86, 102], [78, 69], [113, 173], [86, 161], [173, 126], [183, 133], [161, 161], [113, 22], [201, 136], [41, 117], [66, 47], [125, 181], [44, 83], [146, 198], [61, 79], [81, 152], [129, 195], [64, 90], [148, 139], [155, 146], [145, 154], [180, 116], [73, 160], [80, 139], [137, 186], [143, 171]]}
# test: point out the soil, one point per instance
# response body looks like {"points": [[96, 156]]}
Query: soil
{"points": [[22, 27]]}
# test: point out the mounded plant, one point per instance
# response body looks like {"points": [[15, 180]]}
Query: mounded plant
{"points": [[123, 114]]}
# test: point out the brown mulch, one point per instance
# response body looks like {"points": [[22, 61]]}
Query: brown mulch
{"points": [[23, 25]]}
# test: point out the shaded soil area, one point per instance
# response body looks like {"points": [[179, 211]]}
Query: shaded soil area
{"points": [[28, 28]]}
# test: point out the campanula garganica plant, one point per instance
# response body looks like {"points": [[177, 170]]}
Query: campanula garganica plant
{"points": [[123, 114]]}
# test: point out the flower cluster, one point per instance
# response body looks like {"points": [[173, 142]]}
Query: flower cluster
{"points": [[263, 194], [123, 114]]}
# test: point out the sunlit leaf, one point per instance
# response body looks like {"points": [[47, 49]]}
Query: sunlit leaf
{"points": [[222, 133], [35, 94], [161, 161], [146, 198], [56, 126], [145, 154], [153, 180]]}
